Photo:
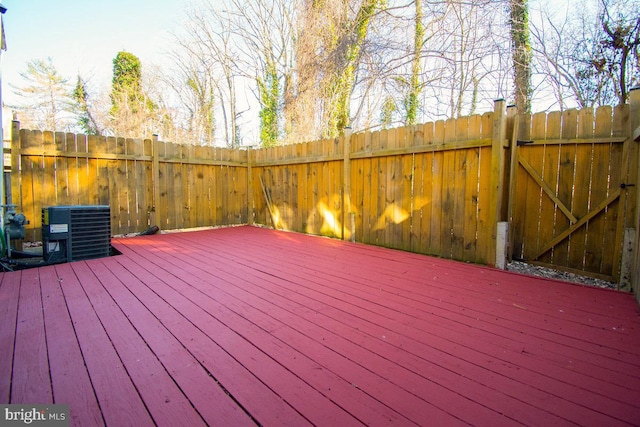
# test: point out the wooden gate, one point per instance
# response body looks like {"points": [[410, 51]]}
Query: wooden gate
{"points": [[572, 191]]}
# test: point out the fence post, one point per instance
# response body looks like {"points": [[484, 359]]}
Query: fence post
{"points": [[16, 177], [497, 173], [634, 117], [348, 232], [155, 171], [514, 120], [249, 188]]}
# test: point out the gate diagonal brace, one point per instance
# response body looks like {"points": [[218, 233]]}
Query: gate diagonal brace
{"points": [[612, 198]]}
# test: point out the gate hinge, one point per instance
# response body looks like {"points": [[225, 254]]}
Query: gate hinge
{"points": [[623, 185], [523, 142]]}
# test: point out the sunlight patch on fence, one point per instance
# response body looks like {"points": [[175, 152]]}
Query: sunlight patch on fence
{"points": [[394, 214]]}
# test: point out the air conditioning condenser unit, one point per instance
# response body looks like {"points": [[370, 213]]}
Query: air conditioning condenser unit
{"points": [[74, 233]]}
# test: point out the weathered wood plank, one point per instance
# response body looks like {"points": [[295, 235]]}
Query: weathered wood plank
{"points": [[408, 201], [302, 188], [27, 194], [338, 286], [471, 196], [72, 166], [133, 219], [233, 360], [70, 380], [61, 173], [565, 184], [420, 201], [484, 241], [583, 171], [30, 381], [626, 206], [549, 212], [119, 400], [450, 187], [595, 246], [367, 219], [376, 188], [119, 193], [9, 297], [47, 191], [438, 216], [458, 202]]}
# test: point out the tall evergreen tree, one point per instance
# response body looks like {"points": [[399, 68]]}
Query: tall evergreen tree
{"points": [[130, 107]]}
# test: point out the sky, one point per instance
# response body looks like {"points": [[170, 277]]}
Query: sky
{"points": [[84, 36]]}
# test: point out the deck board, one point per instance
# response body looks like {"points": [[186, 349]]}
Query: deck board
{"points": [[164, 400], [197, 330], [251, 318], [410, 405], [252, 344], [245, 326], [529, 394], [70, 380], [120, 403], [30, 381], [9, 294], [214, 405]]}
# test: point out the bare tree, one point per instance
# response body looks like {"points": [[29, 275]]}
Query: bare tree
{"points": [[266, 28], [469, 53], [196, 87], [46, 97], [248, 46], [212, 52], [588, 56], [619, 44], [412, 99]]}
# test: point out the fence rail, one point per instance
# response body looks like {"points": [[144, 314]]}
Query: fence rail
{"points": [[439, 188]]}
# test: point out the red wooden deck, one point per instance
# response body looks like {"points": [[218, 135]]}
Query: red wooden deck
{"points": [[245, 326]]}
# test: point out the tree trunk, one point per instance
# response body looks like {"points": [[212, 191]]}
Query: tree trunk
{"points": [[413, 97], [344, 78], [521, 53]]}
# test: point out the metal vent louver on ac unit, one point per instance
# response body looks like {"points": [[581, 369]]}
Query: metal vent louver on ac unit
{"points": [[73, 233]]}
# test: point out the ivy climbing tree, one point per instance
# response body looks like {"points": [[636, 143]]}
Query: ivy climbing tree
{"points": [[521, 53], [348, 50], [269, 90]]}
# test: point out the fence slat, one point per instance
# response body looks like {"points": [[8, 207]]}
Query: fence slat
{"points": [[471, 165], [583, 171], [437, 215]]}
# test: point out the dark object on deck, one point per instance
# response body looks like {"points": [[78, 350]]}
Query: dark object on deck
{"points": [[153, 229]]}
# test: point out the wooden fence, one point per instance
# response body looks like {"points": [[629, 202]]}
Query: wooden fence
{"points": [[424, 188], [573, 190], [439, 188], [146, 182]]}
